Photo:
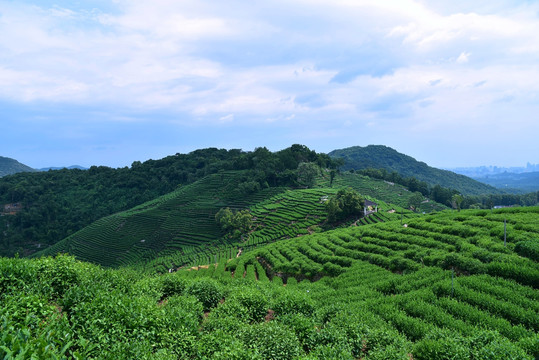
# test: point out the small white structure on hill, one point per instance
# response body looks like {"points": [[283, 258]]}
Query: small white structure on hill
{"points": [[370, 207]]}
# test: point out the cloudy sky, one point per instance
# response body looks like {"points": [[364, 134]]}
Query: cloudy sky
{"points": [[97, 82]]}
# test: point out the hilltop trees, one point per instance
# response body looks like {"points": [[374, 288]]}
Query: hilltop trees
{"points": [[307, 172]]}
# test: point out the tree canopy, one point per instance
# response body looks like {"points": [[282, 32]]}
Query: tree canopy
{"points": [[346, 203], [234, 223]]}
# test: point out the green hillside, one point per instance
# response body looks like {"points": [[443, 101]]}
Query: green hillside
{"points": [[57, 203], [445, 286], [11, 166], [180, 228], [179, 222], [387, 191], [383, 157]]}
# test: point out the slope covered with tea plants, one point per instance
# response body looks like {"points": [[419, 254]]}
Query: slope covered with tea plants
{"points": [[179, 222], [180, 228], [445, 286]]}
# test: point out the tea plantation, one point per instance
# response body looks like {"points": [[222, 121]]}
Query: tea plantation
{"points": [[179, 229], [449, 285]]}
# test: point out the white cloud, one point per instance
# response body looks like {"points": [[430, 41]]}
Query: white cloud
{"points": [[463, 58], [226, 118], [396, 64]]}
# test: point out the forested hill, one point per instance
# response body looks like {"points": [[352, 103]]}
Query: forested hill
{"points": [[55, 204], [383, 157], [11, 166]]}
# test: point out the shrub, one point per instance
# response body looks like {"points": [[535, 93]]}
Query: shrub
{"points": [[172, 284], [529, 249], [183, 312], [333, 269], [303, 326], [442, 345], [15, 274], [277, 280], [328, 352], [293, 303], [222, 345], [58, 273], [272, 340], [253, 301], [207, 291], [489, 345]]}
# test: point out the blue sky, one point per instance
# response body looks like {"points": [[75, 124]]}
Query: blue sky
{"points": [[451, 83]]}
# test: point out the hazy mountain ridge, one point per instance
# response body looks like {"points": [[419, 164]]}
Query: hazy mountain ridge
{"points": [[482, 171], [63, 167], [513, 182], [10, 166]]}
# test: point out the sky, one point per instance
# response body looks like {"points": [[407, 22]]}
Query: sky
{"points": [[449, 82]]}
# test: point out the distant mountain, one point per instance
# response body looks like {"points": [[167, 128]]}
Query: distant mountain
{"points": [[63, 167], [482, 171], [10, 166], [383, 157], [512, 182]]}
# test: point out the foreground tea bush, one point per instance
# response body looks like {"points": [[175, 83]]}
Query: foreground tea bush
{"points": [[399, 293]]}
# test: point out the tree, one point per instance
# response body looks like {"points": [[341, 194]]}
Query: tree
{"points": [[332, 174], [234, 223], [346, 203], [307, 172], [225, 219], [415, 201], [456, 201]]}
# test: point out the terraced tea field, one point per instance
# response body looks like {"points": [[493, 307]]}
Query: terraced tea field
{"points": [[445, 275], [180, 223], [179, 229], [380, 189]]}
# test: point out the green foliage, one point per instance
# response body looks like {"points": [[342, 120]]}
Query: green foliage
{"points": [[344, 204], [383, 157], [456, 201], [528, 248], [272, 341], [77, 310], [58, 203], [483, 345], [332, 269], [59, 274], [173, 284], [223, 345], [234, 223], [307, 172], [293, 303], [254, 303], [444, 286], [207, 291], [415, 201]]}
